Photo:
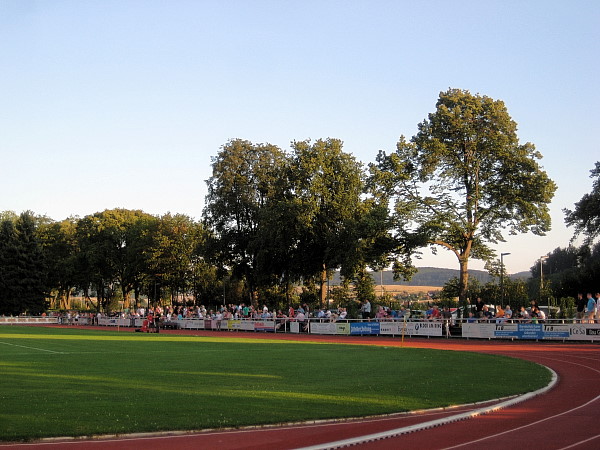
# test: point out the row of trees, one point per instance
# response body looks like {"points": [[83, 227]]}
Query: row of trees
{"points": [[573, 269], [112, 254], [276, 219]]}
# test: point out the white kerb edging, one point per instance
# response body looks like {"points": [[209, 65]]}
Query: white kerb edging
{"points": [[434, 423]]}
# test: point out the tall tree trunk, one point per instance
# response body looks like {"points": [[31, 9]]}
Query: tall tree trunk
{"points": [[463, 280], [323, 291]]}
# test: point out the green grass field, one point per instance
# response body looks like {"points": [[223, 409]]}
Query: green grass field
{"points": [[67, 382]]}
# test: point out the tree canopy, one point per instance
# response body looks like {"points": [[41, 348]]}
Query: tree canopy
{"points": [[23, 276], [464, 179], [585, 218], [274, 218]]}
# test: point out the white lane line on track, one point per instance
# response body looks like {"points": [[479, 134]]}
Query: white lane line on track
{"points": [[571, 362], [433, 423], [580, 442], [525, 426], [541, 420], [32, 348]]}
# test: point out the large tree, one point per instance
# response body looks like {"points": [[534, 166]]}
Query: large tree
{"points": [[333, 215], [241, 186], [586, 215], [113, 244], [60, 250], [175, 260], [464, 179], [22, 270]]}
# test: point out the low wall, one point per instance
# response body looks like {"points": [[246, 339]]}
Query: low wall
{"points": [[27, 320], [528, 331], [551, 330]]}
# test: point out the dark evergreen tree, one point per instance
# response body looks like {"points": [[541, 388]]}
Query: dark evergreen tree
{"points": [[8, 267], [23, 280]]}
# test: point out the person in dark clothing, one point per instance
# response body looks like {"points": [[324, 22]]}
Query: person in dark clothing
{"points": [[580, 304], [479, 308]]}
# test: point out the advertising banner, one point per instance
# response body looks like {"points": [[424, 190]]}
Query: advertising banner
{"points": [[584, 332], [191, 324], [114, 322], [323, 328], [342, 328], [247, 325], [535, 331], [389, 328], [28, 320], [234, 324], [421, 328], [264, 325], [364, 328]]}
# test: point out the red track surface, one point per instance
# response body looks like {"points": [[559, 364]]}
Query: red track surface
{"points": [[568, 416]]}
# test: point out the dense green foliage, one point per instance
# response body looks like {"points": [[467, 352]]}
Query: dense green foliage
{"points": [[464, 179], [22, 271], [78, 383], [567, 272], [108, 255], [586, 215], [280, 218], [275, 220]]}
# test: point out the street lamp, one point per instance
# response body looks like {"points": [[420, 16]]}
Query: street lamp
{"points": [[542, 258], [502, 255]]}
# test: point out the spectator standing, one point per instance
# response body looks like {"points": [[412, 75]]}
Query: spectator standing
{"points": [[366, 310], [580, 304], [447, 318], [591, 308], [479, 308], [301, 318]]}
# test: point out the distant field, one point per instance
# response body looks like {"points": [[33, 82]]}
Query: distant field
{"points": [[68, 382], [397, 289]]}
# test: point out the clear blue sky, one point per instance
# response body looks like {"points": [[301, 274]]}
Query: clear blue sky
{"points": [[108, 104]]}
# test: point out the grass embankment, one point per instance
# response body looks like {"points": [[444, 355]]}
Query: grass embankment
{"points": [[59, 382]]}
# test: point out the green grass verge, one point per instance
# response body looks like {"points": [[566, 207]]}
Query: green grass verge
{"points": [[61, 382]]}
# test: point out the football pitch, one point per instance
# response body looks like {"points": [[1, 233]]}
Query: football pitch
{"points": [[72, 382]]}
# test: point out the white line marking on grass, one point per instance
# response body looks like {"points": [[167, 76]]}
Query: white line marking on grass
{"points": [[32, 348]]}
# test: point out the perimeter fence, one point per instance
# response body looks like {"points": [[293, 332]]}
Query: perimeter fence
{"points": [[557, 329]]}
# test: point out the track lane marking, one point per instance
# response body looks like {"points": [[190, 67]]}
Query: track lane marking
{"points": [[580, 442]]}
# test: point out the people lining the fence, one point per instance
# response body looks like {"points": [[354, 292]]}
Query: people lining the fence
{"points": [[479, 311]]}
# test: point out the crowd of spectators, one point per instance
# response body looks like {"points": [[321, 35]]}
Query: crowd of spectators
{"points": [[587, 308], [587, 311]]}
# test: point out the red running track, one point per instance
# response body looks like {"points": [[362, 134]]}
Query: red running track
{"points": [[567, 416]]}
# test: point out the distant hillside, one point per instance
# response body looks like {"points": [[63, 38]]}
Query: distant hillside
{"points": [[523, 275], [431, 276]]}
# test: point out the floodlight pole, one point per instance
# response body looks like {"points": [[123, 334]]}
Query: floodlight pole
{"points": [[502, 255], [542, 258]]}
